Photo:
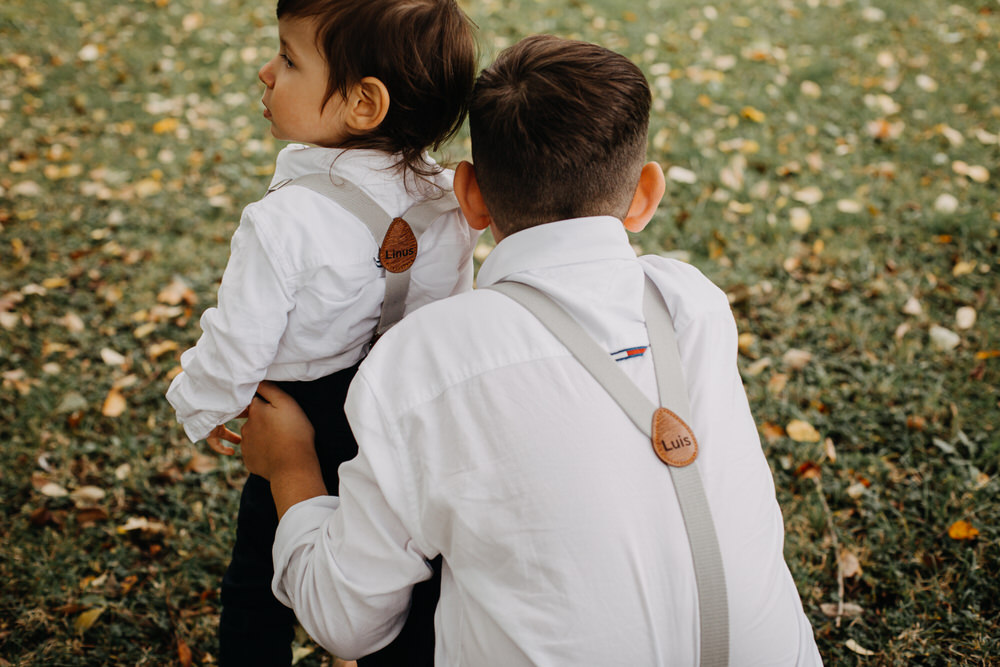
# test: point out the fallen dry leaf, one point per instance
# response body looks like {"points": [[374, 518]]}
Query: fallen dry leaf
{"points": [[772, 431], [143, 524], [913, 307], [201, 463], [965, 317], [801, 431], [808, 470], [85, 620], [830, 449], [183, 653], [944, 339], [796, 359], [87, 495], [53, 490], [850, 609], [111, 357], [946, 204], [177, 292], [858, 648], [962, 530], [114, 403]]}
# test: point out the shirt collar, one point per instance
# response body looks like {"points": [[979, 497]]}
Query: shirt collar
{"points": [[362, 166], [556, 244]]}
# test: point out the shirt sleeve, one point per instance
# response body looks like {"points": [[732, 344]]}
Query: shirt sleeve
{"points": [[239, 338], [347, 565]]}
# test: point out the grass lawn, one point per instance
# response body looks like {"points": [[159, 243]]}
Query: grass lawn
{"points": [[833, 165]]}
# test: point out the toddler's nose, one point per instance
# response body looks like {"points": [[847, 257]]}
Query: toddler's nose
{"points": [[266, 74]]}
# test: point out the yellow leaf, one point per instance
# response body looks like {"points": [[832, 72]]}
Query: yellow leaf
{"points": [[962, 530], [801, 431], [158, 349], [752, 114], [165, 125], [87, 619], [114, 403]]}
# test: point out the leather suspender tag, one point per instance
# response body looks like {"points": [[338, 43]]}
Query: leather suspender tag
{"points": [[399, 248], [673, 440]]}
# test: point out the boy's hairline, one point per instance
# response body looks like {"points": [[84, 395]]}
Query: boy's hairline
{"points": [[628, 155]]}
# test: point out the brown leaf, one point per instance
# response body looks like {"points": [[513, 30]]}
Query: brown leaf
{"points": [[176, 292], [808, 470], [183, 653], [88, 516], [849, 564], [771, 431]]}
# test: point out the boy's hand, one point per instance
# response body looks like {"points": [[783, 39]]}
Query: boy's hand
{"points": [[220, 433], [278, 446]]}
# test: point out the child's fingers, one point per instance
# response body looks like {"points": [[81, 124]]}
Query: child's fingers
{"points": [[232, 437], [216, 446]]}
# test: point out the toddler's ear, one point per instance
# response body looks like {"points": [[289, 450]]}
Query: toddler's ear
{"points": [[470, 198], [647, 197], [367, 104]]}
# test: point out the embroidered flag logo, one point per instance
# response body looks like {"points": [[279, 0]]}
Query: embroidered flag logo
{"points": [[628, 353]]}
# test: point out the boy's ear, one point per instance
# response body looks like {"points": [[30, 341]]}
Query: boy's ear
{"points": [[367, 104], [470, 198], [647, 197]]}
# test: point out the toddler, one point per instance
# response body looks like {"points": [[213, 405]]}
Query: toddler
{"points": [[370, 86]]}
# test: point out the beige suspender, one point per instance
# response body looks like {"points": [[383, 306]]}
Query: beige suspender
{"points": [[397, 237], [710, 577]]}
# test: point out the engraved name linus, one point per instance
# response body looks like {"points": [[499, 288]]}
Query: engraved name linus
{"points": [[673, 441], [399, 247]]}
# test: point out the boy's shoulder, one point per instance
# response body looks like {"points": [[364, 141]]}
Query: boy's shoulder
{"points": [[684, 286]]}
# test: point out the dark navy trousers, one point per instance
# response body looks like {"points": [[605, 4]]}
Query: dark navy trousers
{"points": [[256, 629]]}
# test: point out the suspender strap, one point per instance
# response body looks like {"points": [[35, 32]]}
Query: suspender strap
{"points": [[419, 217], [710, 578]]}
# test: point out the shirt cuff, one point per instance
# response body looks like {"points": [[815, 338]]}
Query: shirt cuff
{"points": [[301, 519]]}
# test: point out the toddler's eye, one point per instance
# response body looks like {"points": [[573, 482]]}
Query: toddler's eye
{"points": [[288, 62]]}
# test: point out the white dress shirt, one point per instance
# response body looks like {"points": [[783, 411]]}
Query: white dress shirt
{"points": [[482, 439], [301, 294]]}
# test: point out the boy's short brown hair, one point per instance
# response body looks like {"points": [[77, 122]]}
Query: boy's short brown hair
{"points": [[424, 51], [558, 131]]}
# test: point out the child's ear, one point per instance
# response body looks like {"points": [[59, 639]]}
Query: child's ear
{"points": [[470, 198], [367, 104], [647, 197]]}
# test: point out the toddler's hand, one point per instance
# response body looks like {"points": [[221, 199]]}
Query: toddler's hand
{"points": [[220, 433]]}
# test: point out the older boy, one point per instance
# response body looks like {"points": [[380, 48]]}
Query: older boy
{"points": [[483, 440]]}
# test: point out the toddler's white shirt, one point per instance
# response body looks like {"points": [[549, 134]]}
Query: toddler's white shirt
{"points": [[302, 294]]}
